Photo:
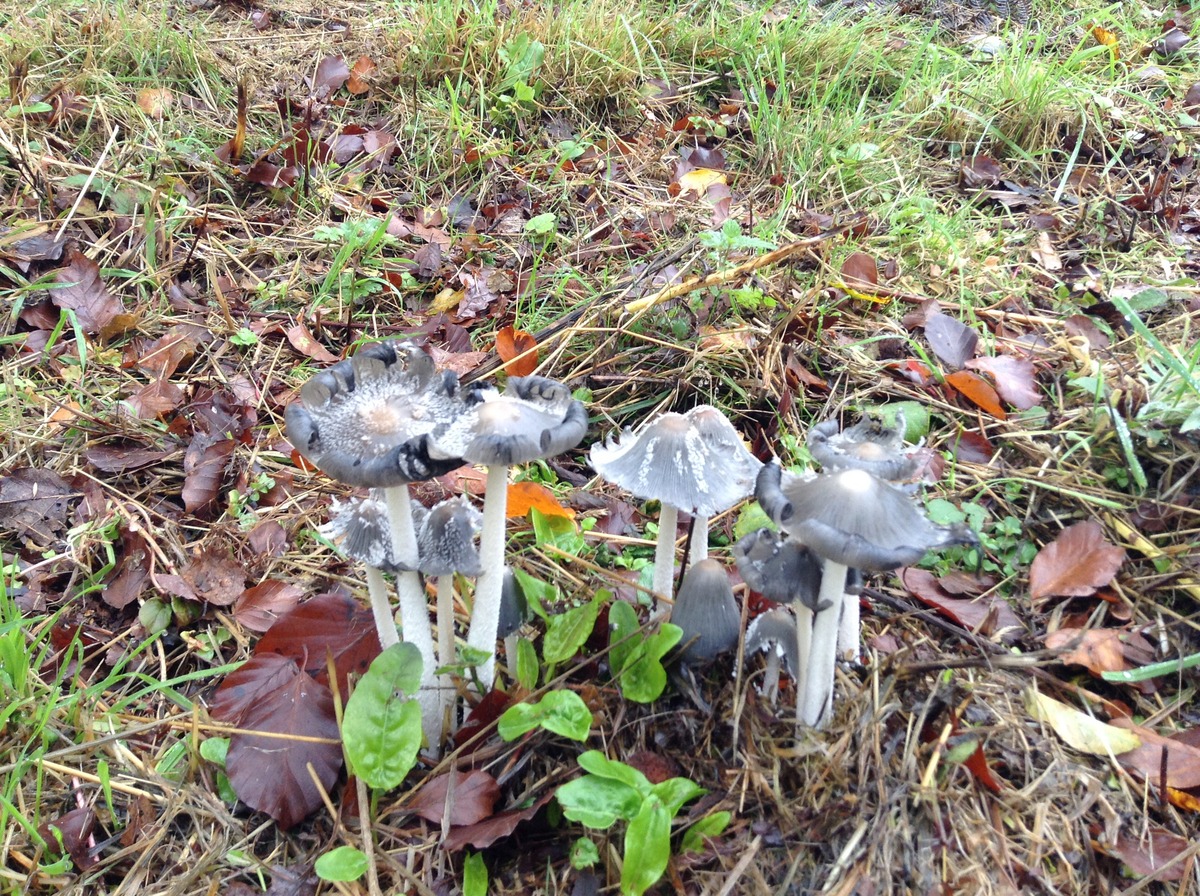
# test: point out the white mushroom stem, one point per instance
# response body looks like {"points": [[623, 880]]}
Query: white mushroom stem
{"points": [[381, 608], [804, 638], [849, 628], [770, 684], [664, 557], [816, 700], [699, 550], [485, 614], [445, 626], [510, 653], [414, 611]]}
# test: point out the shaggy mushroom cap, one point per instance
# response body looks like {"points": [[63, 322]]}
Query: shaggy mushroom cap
{"points": [[362, 530], [858, 520], [534, 417], [695, 461], [365, 421], [706, 611], [779, 568], [446, 539], [868, 445], [775, 632]]}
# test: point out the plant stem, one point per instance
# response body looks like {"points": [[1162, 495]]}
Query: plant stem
{"points": [[485, 614], [822, 662], [804, 636]]}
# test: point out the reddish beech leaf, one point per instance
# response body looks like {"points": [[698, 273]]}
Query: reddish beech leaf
{"points": [[977, 765], [1075, 564], [976, 390], [1191, 100], [329, 623], [302, 341], [1148, 852], [525, 496], [512, 343], [84, 292], [973, 447], [486, 711], [859, 271], [472, 800], [76, 828], [477, 297], [1146, 762], [979, 171], [162, 357], [35, 502], [124, 456], [1097, 649], [204, 469], [958, 582], [360, 75], [131, 573], [332, 73], [214, 576], [619, 518], [1014, 379], [269, 767], [484, 833], [155, 399], [268, 538], [261, 605], [991, 617], [951, 340]]}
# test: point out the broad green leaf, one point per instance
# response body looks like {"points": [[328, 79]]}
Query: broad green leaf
{"points": [[475, 875], [214, 749], [601, 766], [584, 854], [539, 594], [562, 712], [674, 792], [751, 518], [559, 531], [345, 863], [598, 802], [916, 417], [647, 848], [708, 826], [381, 729], [1080, 731], [568, 631], [644, 679], [622, 635], [527, 665]]}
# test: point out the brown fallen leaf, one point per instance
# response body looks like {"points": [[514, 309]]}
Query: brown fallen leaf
{"points": [[1149, 853], [473, 797], [260, 606], [1075, 564], [83, 291], [484, 833], [518, 350], [976, 390], [1179, 759], [1014, 379], [990, 617], [302, 341]]}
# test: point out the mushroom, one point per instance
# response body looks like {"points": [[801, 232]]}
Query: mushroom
{"points": [[781, 569], [774, 633], [706, 611], [446, 544], [694, 462], [533, 418], [514, 611], [849, 519]]}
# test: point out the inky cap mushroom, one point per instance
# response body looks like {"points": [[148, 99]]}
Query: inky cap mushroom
{"points": [[867, 445], [706, 611], [774, 633]]}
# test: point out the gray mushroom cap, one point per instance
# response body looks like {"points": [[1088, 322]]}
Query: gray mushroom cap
{"points": [[778, 567], [514, 607], [446, 539], [706, 611], [362, 529], [867, 445], [855, 519], [775, 631], [534, 417], [696, 461], [366, 421]]}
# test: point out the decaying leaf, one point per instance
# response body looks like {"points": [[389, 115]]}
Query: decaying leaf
{"points": [[1080, 731], [473, 795], [214, 576], [260, 606], [1014, 379], [83, 291], [518, 350], [484, 833], [1075, 564], [204, 470], [524, 496], [976, 390], [34, 502], [1151, 852], [990, 617], [951, 340]]}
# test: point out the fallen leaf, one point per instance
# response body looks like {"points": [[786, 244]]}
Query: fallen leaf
{"points": [[155, 399], [980, 171], [1075, 564], [35, 502], [302, 341], [1172, 42], [213, 575], [1096, 649], [525, 496], [992, 612], [260, 606], [1156, 754], [1106, 38], [75, 828], [512, 346], [329, 624], [155, 101], [360, 75], [1150, 853], [860, 271], [473, 796], [697, 181], [84, 292], [1014, 379], [951, 340], [977, 391], [1044, 253], [204, 465], [332, 72], [1078, 730], [483, 834]]}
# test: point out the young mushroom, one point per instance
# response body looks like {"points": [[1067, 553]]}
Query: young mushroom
{"points": [[848, 519], [706, 611], [774, 633], [694, 462], [534, 417]]}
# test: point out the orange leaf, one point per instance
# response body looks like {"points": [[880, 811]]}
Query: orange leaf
{"points": [[524, 496], [976, 390], [1106, 38], [518, 349], [360, 75]]}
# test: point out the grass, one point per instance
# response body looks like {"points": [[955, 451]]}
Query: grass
{"points": [[820, 116]]}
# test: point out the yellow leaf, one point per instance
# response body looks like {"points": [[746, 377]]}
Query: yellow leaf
{"points": [[698, 180], [155, 101], [1081, 731], [1106, 38], [446, 300], [525, 496]]}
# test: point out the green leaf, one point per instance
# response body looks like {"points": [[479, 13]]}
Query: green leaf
{"points": [[562, 712], [709, 826], [539, 594], [527, 665], [598, 802], [596, 763], [568, 631], [751, 518], [155, 615], [647, 848], [345, 863], [542, 225], [674, 792], [558, 531], [916, 417], [214, 749], [475, 875], [381, 729], [584, 854], [636, 658], [623, 635]]}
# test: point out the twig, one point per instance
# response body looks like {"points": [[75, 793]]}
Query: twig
{"points": [[740, 868]]}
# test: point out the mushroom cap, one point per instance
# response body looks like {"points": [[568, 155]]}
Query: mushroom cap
{"points": [[365, 421], [514, 606], [775, 630], [363, 530], [695, 461], [857, 519], [706, 611], [534, 417], [778, 567], [446, 539], [867, 445]]}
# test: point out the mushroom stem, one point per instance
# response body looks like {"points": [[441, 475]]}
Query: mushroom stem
{"points": [[510, 653], [699, 549], [770, 683], [817, 703], [485, 614], [445, 646], [849, 628], [381, 608], [804, 638], [664, 555]]}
